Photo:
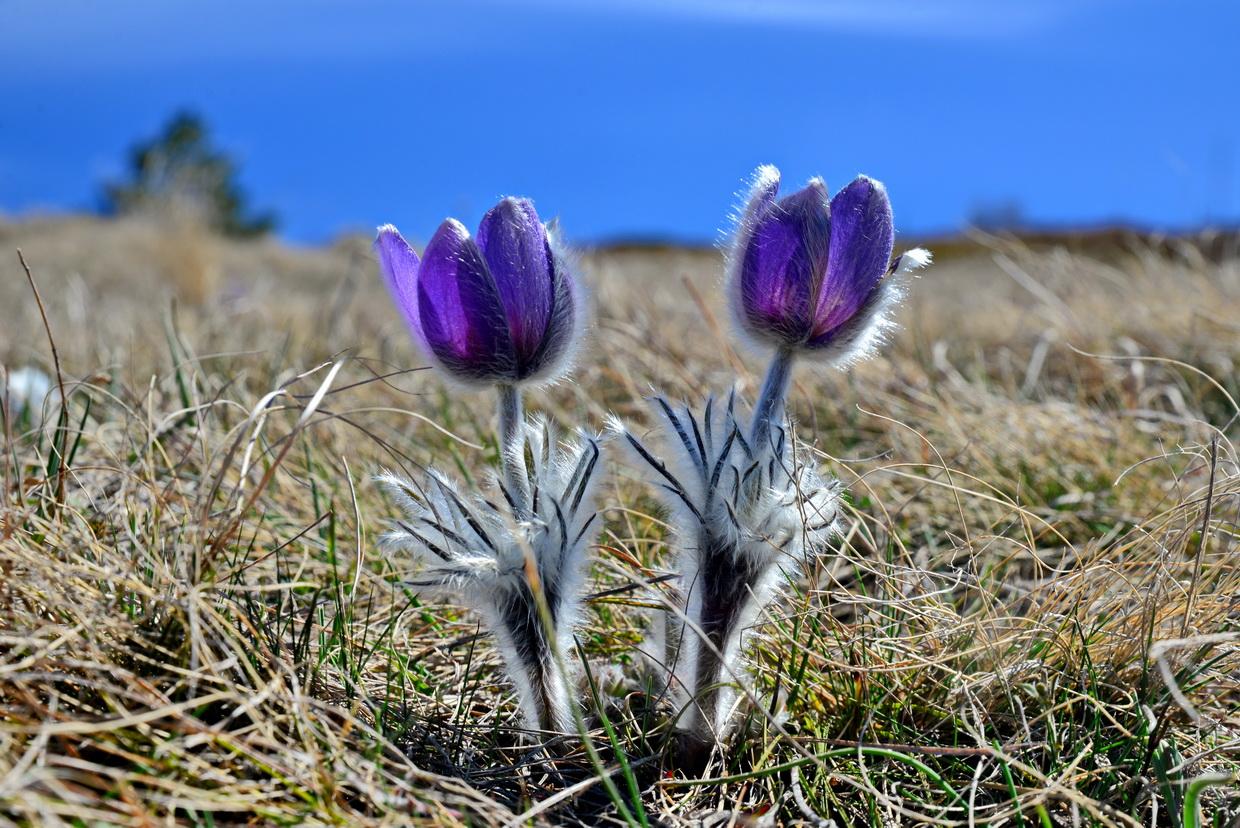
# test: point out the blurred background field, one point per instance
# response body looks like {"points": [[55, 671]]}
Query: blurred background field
{"points": [[1037, 597]]}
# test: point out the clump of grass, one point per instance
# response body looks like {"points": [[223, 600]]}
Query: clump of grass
{"points": [[1031, 620]]}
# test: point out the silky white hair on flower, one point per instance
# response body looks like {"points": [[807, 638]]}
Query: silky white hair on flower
{"points": [[867, 331]]}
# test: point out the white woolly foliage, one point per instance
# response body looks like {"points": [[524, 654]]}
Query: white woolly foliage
{"points": [[473, 551], [747, 517]]}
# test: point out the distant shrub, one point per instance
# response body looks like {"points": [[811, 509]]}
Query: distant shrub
{"points": [[179, 175], [995, 216]]}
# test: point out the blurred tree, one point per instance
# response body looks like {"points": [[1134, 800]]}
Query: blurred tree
{"points": [[178, 175], [994, 216]]}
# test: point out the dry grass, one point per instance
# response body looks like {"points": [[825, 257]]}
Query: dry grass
{"points": [[1033, 620]]}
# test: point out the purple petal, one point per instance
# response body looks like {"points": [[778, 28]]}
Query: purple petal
{"points": [[459, 307], [514, 244], [562, 326], [399, 265], [784, 262], [862, 237]]}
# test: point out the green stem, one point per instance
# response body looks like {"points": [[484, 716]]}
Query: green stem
{"points": [[1192, 796]]}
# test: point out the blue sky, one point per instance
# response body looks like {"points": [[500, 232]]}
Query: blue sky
{"points": [[638, 118]]}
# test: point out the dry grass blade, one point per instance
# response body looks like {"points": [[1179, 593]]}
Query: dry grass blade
{"points": [[57, 445]]}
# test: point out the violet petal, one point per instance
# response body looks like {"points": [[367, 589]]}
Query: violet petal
{"points": [[562, 324], [862, 237], [399, 265], [514, 245], [463, 320], [783, 263]]}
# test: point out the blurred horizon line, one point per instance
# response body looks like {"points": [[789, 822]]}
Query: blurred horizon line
{"points": [[1037, 232]]}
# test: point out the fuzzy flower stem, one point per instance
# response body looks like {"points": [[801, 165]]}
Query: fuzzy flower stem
{"points": [[770, 408], [512, 449]]}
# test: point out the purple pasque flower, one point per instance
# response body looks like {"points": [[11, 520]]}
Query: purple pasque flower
{"points": [[806, 271], [502, 308]]}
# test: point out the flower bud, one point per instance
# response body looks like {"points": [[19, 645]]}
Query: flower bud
{"points": [[806, 271], [501, 309]]}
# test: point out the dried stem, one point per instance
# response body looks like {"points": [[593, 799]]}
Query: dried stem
{"points": [[57, 445], [1201, 540]]}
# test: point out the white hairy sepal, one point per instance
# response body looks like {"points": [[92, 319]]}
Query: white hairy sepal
{"points": [[746, 518], [475, 552], [867, 331]]}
